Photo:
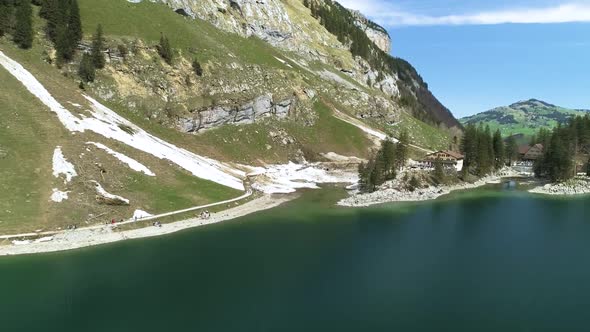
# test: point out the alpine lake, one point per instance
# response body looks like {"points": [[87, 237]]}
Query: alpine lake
{"points": [[491, 259]]}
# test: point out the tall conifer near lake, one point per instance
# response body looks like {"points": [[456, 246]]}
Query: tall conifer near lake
{"points": [[439, 172], [401, 151], [498, 149], [23, 31], [511, 149], [86, 71], [97, 46]]}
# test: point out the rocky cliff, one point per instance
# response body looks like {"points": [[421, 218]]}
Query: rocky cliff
{"points": [[376, 33], [268, 20], [289, 25]]}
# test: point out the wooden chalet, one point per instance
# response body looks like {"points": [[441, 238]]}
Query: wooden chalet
{"points": [[446, 157]]}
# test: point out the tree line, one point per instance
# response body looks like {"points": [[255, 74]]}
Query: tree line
{"points": [[64, 29], [16, 19], [485, 152], [384, 165], [64, 26], [566, 148]]}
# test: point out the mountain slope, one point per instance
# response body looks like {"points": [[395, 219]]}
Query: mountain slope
{"points": [[525, 117], [157, 134]]}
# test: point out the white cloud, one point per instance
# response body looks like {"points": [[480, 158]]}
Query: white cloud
{"points": [[387, 14]]}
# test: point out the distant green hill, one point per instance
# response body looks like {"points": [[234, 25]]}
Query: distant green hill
{"points": [[525, 117]]}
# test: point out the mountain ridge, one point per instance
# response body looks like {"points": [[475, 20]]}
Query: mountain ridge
{"points": [[524, 117]]}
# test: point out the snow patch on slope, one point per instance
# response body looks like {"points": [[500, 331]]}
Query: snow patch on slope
{"points": [[284, 179], [132, 163], [62, 166], [140, 214], [100, 190], [59, 196], [110, 125]]}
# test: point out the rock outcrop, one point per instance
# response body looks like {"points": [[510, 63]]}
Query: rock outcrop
{"points": [[267, 19], [577, 186], [256, 110], [376, 33]]}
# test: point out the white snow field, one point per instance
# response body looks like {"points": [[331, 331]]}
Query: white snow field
{"points": [[109, 124], [140, 214], [100, 190], [287, 178], [132, 163], [61, 166]]}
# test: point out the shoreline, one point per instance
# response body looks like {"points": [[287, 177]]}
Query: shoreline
{"points": [[578, 186], [99, 235], [81, 238], [394, 195]]}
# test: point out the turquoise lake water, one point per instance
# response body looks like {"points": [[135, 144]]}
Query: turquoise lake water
{"points": [[489, 260]]}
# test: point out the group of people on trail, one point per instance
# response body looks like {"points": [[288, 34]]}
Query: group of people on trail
{"points": [[205, 215], [114, 221]]}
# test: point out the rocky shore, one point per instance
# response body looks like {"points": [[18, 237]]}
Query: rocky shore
{"points": [[390, 195], [576, 186], [396, 191]]}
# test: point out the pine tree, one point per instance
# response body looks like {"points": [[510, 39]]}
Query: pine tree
{"points": [[74, 24], [55, 11], [482, 157], [87, 71], [62, 45], [378, 174], [364, 177], [165, 50], [6, 17], [498, 144], [439, 171], [558, 162], [588, 168], [388, 150], [96, 52], [490, 145], [402, 150], [197, 68], [23, 32], [511, 149], [469, 147]]}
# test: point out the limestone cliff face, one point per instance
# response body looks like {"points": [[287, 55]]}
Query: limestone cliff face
{"points": [[289, 25], [251, 112], [376, 33], [268, 20]]}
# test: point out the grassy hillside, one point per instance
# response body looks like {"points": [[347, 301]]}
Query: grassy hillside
{"points": [[524, 118], [31, 133], [152, 95]]}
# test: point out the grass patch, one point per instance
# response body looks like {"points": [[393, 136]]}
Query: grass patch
{"points": [[183, 191], [28, 135], [329, 134], [147, 21]]}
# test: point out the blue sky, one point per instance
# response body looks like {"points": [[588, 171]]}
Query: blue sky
{"points": [[476, 55]]}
